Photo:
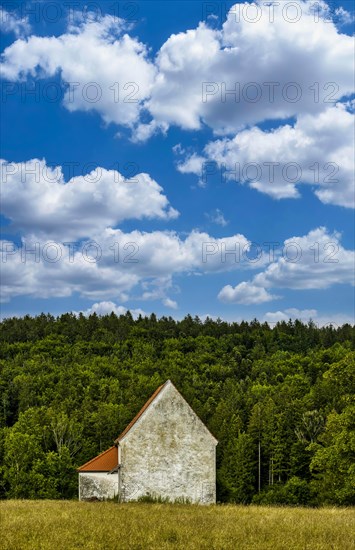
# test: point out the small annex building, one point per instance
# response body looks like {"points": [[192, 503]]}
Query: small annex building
{"points": [[166, 451]]}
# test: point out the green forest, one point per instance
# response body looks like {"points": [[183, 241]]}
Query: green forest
{"points": [[280, 400]]}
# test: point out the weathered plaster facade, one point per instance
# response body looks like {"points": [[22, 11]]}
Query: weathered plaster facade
{"points": [[97, 485], [166, 452]]}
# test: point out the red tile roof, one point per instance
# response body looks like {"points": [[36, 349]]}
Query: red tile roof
{"points": [[108, 460], [104, 462]]}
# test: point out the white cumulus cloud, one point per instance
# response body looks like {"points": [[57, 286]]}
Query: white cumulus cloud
{"points": [[105, 308], [12, 22], [245, 293], [290, 313], [112, 264], [38, 200], [317, 150], [217, 217], [305, 315], [252, 71], [168, 302], [315, 261], [102, 67]]}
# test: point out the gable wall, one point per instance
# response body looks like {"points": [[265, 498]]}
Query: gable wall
{"points": [[168, 453]]}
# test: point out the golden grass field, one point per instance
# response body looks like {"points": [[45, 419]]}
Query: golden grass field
{"points": [[62, 525]]}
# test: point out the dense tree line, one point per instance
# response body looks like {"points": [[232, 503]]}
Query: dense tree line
{"points": [[279, 400]]}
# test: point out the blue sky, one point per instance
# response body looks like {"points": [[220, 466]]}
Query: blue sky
{"points": [[165, 187]]}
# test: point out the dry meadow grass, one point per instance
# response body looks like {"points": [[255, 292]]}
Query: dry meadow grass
{"points": [[64, 525]]}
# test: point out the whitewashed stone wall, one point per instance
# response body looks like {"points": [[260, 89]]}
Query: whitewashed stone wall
{"points": [[168, 453], [100, 485]]}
